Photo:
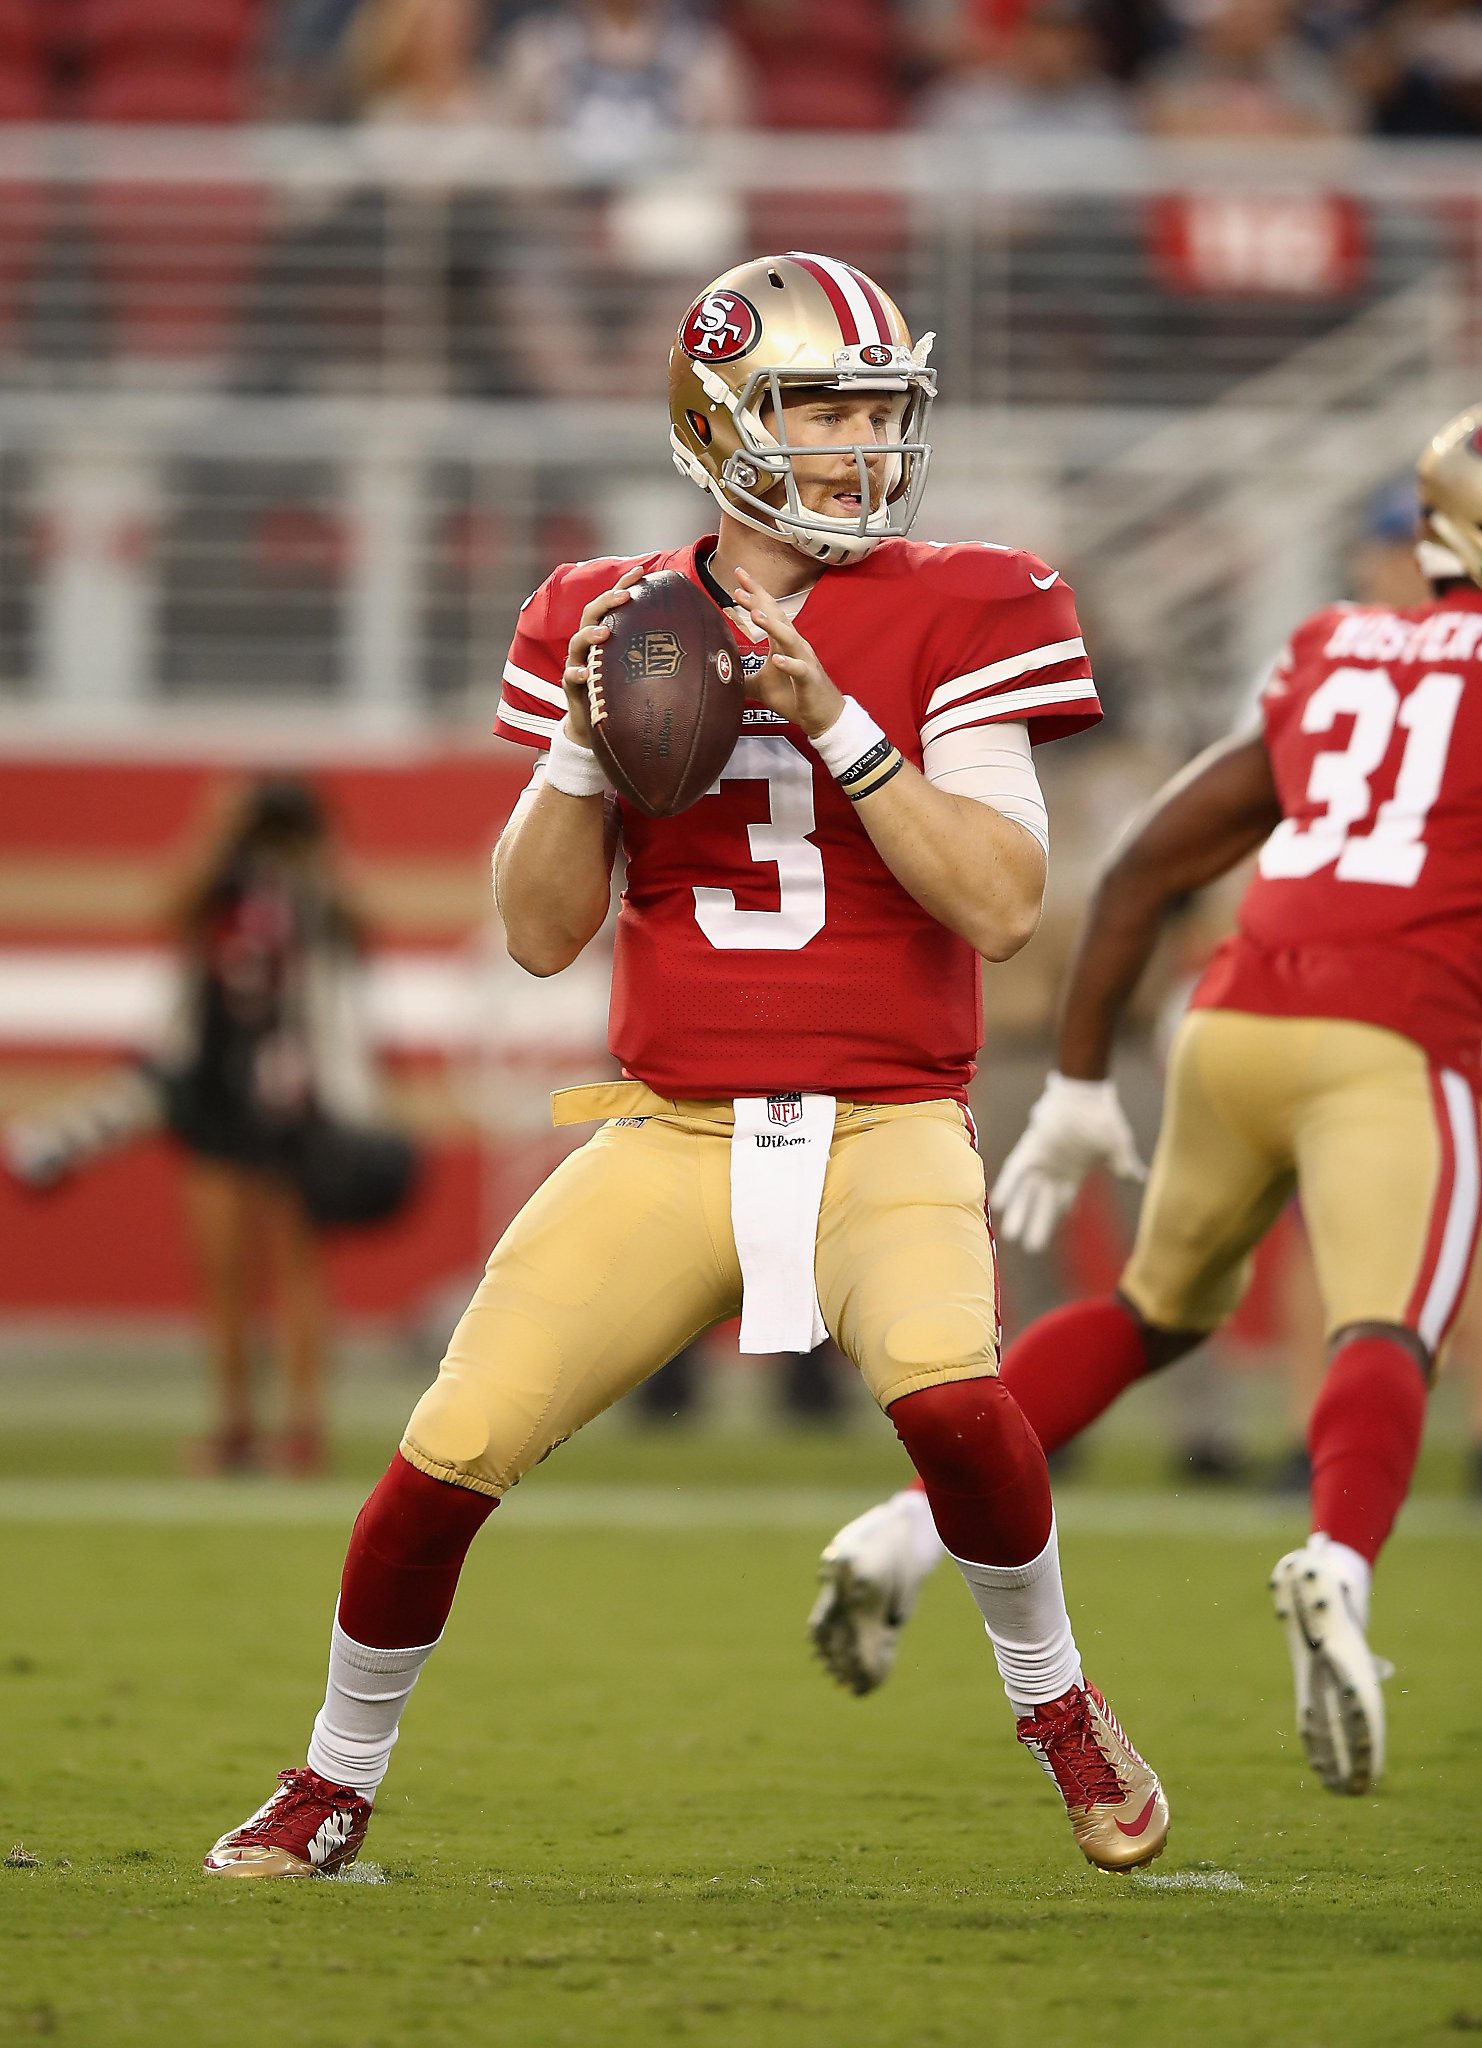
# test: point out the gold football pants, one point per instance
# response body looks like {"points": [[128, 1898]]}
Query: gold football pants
{"points": [[626, 1254], [1380, 1145]]}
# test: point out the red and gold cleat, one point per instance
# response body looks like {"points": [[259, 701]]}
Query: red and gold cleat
{"points": [[1118, 1813], [309, 1828]]}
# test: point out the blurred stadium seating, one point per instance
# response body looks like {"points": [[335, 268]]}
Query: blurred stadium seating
{"points": [[285, 384]]}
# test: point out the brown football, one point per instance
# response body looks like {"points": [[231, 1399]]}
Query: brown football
{"points": [[665, 694]]}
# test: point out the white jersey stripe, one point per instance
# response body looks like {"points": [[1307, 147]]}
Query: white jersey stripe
{"points": [[534, 686], [1458, 1238], [859, 305], [525, 721], [1049, 656], [1017, 704]]}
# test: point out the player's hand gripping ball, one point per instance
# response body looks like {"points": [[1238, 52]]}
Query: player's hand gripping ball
{"points": [[664, 694]]}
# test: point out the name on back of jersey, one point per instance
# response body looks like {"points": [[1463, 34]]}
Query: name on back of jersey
{"points": [[1363, 635]]}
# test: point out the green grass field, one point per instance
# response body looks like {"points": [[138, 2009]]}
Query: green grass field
{"points": [[628, 1809]]}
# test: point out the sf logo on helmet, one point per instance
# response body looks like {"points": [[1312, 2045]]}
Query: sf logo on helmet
{"points": [[652, 655], [720, 327]]}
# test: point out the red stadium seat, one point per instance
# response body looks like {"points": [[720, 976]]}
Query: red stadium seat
{"points": [[162, 60], [823, 63], [174, 261], [118, 30], [23, 67], [172, 93], [25, 213], [25, 95]]}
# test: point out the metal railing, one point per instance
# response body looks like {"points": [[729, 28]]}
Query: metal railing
{"points": [[298, 417]]}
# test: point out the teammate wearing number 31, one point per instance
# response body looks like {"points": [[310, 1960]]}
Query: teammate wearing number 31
{"points": [[796, 1007], [1334, 1047]]}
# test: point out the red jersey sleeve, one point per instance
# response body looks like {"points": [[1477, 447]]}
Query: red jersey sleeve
{"points": [[1280, 697], [1008, 647], [532, 702]]}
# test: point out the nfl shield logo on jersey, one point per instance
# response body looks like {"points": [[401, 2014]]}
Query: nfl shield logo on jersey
{"points": [[784, 1109]]}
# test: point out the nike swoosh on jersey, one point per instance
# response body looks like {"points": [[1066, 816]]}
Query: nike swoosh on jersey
{"points": [[1139, 1826], [1044, 582]]}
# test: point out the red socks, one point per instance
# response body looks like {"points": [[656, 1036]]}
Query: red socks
{"points": [[1069, 1366], [983, 1472], [406, 1551], [1363, 1440], [982, 1468]]}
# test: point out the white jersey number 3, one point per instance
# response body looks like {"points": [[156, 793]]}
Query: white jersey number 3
{"points": [[780, 839], [1393, 850]]}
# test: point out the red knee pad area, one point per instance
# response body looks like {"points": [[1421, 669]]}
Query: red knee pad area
{"points": [[982, 1468], [406, 1551]]}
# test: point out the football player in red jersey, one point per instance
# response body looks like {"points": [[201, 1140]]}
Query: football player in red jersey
{"points": [[1334, 1047], [796, 1007]]}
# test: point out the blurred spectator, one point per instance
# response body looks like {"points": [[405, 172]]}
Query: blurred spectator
{"points": [[600, 277], [825, 63], [1041, 74], [419, 60], [617, 81], [304, 68], [1421, 68], [271, 1043], [266, 1081], [1382, 568], [338, 260], [1242, 69]]}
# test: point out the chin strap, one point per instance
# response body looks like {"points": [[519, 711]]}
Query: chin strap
{"points": [[818, 547]]}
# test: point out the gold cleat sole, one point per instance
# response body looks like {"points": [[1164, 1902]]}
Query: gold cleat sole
{"points": [[263, 1863]]}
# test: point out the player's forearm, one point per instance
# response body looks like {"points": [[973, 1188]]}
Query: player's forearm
{"points": [[1116, 940], [1200, 825], [552, 879], [977, 872]]}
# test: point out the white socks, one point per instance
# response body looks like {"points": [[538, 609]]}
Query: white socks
{"points": [[1355, 1573], [919, 1530], [355, 1730], [1023, 1609]]}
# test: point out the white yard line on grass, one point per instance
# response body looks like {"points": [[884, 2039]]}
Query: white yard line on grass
{"points": [[206, 1503]]}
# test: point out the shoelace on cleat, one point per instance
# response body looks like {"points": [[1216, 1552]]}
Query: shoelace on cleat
{"points": [[1075, 1757], [298, 1792]]}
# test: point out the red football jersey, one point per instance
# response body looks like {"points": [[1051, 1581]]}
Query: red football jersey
{"points": [[1367, 898], [762, 943]]}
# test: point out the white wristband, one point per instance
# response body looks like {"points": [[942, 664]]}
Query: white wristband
{"points": [[572, 768], [848, 739]]}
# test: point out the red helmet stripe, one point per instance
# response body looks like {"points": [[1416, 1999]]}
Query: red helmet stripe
{"points": [[821, 273], [875, 303]]}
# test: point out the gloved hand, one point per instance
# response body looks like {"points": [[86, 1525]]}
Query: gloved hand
{"points": [[1074, 1126]]}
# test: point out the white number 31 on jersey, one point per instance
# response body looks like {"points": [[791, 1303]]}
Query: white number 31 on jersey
{"points": [[1393, 850]]}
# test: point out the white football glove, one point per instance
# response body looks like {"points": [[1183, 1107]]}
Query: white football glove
{"points": [[1074, 1126]]}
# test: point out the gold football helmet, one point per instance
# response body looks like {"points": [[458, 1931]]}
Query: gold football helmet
{"points": [[780, 324], [1450, 477]]}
